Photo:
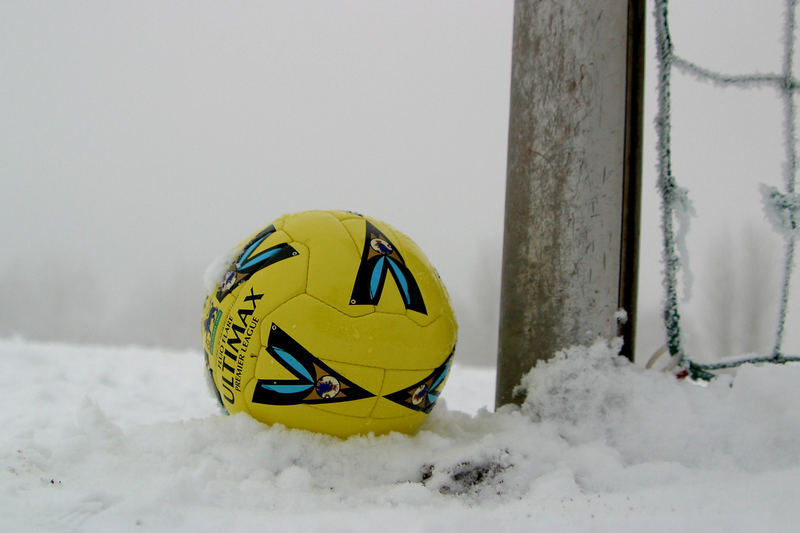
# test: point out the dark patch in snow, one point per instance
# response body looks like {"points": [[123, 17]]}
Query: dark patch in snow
{"points": [[466, 477]]}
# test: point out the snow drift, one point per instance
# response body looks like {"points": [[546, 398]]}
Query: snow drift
{"points": [[125, 439]]}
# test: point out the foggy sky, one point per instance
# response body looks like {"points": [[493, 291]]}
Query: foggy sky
{"points": [[139, 141]]}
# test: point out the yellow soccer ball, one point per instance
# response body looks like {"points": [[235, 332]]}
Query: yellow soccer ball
{"points": [[332, 322]]}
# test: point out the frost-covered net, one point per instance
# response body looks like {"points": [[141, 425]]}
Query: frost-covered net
{"points": [[782, 207]]}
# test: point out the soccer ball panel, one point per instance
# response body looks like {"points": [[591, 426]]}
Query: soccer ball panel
{"points": [[392, 266], [379, 340], [357, 411], [312, 418], [388, 410], [345, 215], [333, 260], [356, 228], [318, 228], [357, 408]]}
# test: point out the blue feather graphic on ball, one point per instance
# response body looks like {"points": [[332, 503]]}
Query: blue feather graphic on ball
{"points": [[379, 257], [248, 264], [422, 395], [315, 382]]}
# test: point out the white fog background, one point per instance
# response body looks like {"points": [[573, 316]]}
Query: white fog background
{"points": [[140, 140]]}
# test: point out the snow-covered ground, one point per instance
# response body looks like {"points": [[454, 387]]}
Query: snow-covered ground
{"points": [[129, 439]]}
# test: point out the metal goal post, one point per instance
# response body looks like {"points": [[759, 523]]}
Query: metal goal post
{"points": [[573, 181]]}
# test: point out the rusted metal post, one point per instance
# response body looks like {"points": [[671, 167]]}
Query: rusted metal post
{"points": [[573, 180]]}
